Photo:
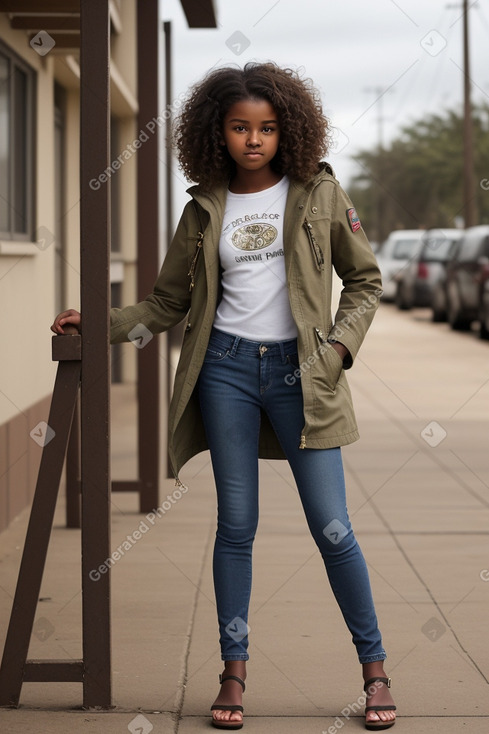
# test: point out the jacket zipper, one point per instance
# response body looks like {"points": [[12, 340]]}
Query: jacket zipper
{"points": [[323, 340], [320, 335], [193, 264], [316, 250]]}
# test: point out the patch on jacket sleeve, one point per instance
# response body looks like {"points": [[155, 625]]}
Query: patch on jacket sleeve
{"points": [[353, 219]]}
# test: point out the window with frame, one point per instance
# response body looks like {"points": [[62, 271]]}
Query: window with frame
{"points": [[17, 82]]}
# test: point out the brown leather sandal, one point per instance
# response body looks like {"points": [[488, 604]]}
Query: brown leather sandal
{"points": [[375, 725], [226, 707]]}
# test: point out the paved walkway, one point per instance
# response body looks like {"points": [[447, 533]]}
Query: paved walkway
{"points": [[418, 497]]}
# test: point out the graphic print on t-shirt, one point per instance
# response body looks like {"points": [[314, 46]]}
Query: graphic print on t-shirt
{"points": [[255, 302], [254, 236]]}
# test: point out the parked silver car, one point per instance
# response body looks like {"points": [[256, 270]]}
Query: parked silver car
{"points": [[467, 273], [416, 282], [395, 253]]}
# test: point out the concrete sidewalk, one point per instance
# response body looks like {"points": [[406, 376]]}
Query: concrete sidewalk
{"points": [[418, 499]]}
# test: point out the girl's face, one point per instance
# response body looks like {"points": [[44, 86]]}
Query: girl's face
{"points": [[251, 133]]}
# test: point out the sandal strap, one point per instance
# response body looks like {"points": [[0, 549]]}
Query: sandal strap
{"points": [[226, 707], [369, 682], [223, 679], [380, 708]]}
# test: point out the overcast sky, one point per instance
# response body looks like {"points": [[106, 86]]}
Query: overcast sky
{"points": [[398, 59]]}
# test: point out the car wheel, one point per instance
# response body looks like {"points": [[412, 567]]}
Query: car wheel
{"points": [[401, 300], [483, 330], [456, 317], [439, 311]]}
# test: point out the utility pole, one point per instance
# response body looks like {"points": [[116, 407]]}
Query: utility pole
{"points": [[379, 232], [470, 214]]}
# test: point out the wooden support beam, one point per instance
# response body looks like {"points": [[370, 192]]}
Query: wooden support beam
{"points": [[38, 6], [54, 671], [72, 474], [45, 22], [62, 40], [200, 14], [68, 348], [39, 529], [129, 485], [148, 253], [95, 383]]}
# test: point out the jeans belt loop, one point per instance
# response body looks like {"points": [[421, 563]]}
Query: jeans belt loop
{"points": [[282, 352], [234, 348]]}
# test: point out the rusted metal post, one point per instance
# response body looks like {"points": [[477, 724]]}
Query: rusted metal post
{"points": [[95, 382], [148, 251]]}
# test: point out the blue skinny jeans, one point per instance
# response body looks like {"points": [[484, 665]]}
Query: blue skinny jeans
{"points": [[238, 380]]}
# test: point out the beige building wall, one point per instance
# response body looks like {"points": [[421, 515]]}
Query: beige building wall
{"points": [[27, 273]]}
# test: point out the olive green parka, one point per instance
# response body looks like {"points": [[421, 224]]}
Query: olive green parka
{"points": [[321, 232]]}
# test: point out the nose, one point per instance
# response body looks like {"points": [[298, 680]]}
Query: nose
{"points": [[254, 139]]}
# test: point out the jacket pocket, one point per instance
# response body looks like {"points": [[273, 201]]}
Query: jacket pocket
{"points": [[315, 248], [331, 361]]}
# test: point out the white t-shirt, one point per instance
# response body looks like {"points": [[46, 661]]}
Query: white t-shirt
{"points": [[255, 302]]}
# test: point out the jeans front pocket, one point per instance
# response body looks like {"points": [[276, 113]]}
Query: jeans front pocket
{"points": [[293, 359], [215, 354], [218, 349]]}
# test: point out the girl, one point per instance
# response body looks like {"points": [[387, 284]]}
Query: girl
{"points": [[262, 366]]}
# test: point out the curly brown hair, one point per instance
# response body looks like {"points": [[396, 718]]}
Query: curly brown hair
{"points": [[304, 129]]}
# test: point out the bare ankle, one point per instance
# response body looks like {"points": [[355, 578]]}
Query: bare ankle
{"points": [[371, 670], [235, 667]]}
